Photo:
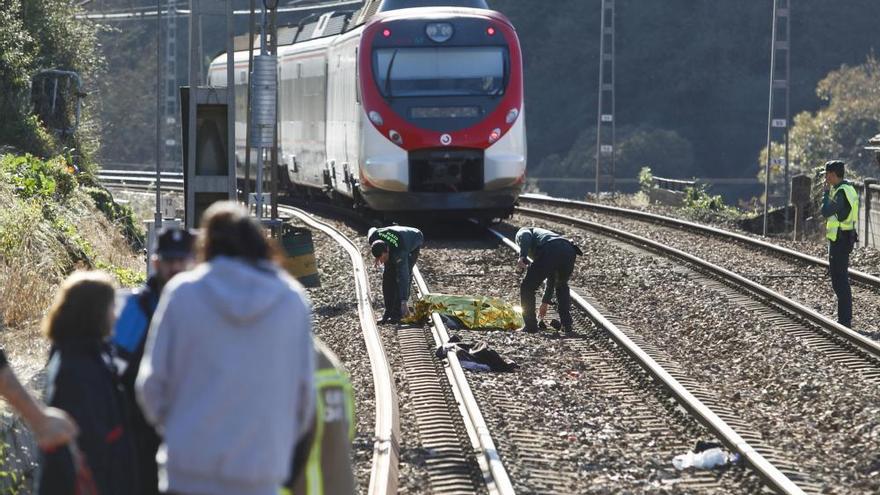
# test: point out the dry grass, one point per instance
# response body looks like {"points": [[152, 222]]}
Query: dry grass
{"points": [[35, 256]]}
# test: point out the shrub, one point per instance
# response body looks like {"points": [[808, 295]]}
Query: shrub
{"points": [[646, 180], [120, 215], [38, 179], [705, 207]]}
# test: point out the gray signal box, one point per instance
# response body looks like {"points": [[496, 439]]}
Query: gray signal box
{"points": [[209, 169], [800, 189]]}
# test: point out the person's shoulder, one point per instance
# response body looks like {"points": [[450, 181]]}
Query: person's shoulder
{"points": [[187, 281]]}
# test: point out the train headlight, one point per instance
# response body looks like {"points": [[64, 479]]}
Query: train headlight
{"points": [[395, 137], [376, 118], [494, 135], [439, 32], [512, 115]]}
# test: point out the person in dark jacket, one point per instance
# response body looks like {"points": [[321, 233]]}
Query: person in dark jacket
{"points": [[398, 249], [81, 380], [553, 260], [174, 254], [840, 207]]}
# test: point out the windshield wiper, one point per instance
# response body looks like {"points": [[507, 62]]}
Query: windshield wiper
{"points": [[388, 75]]}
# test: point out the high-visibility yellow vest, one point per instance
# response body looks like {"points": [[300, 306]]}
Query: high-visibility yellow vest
{"points": [[833, 224], [328, 467]]}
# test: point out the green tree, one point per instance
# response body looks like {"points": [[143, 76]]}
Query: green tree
{"points": [[840, 129], [37, 35]]}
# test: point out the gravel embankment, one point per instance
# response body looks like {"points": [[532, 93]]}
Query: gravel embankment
{"points": [[807, 284], [571, 418], [823, 415]]}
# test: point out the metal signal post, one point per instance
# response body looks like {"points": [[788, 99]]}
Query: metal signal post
{"points": [[605, 128], [778, 114]]}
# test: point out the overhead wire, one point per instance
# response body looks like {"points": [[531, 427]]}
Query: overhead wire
{"points": [[140, 13]]}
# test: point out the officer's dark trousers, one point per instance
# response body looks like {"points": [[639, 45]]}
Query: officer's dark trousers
{"points": [[556, 257], [390, 288], [838, 259]]}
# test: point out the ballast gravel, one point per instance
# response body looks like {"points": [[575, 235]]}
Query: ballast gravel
{"points": [[572, 418], [823, 415], [807, 284]]}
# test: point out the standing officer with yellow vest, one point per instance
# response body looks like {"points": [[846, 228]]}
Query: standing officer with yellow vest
{"points": [[322, 459], [840, 207]]}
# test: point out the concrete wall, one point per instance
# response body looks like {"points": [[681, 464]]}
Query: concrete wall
{"points": [[869, 228]]}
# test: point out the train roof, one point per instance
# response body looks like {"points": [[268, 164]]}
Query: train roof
{"points": [[337, 22]]}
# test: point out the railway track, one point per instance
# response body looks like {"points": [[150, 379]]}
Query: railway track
{"points": [[561, 419], [865, 352], [783, 252], [459, 456], [752, 337], [795, 274], [386, 451], [137, 180]]}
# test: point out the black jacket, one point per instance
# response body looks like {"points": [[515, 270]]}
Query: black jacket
{"points": [[82, 382], [129, 340]]}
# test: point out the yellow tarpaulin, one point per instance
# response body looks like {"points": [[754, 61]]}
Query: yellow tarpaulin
{"points": [[472, 311]]}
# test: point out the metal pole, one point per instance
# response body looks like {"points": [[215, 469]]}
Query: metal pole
{"points": [[193, 82], [159, 134], [230, 101], [787, 103], [770, 120], [273, 175], [259, 201], [613, 97], [601, 82], [249, 116]]}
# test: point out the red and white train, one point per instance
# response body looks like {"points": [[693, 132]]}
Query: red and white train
{"points": [[408, 106]]}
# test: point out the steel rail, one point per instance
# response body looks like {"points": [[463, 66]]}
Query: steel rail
{"points": [[142, 173], [767, 471], [138, 180], [386, 448], [836, 329], [858, 276], [494, 473]]}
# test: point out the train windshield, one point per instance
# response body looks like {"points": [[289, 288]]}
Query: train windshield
{"points": [[441, 71]]}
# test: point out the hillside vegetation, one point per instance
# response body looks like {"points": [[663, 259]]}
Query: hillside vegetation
{"points": [[51, 223]]}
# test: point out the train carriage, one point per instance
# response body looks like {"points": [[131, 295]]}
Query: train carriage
{"points": [[412, 106]]}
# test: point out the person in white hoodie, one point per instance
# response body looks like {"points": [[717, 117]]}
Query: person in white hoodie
{"points": [[227, 375]]}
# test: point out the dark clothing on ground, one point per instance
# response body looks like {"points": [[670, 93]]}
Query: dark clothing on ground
{"points": [[554, 262], [130, 336], [3, 362], [838, 260], [838, 205], [81, 381], [403, 251]]}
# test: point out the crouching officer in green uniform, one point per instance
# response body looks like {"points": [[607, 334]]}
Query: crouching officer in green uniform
{"points": [[398, 249], [322, 460], [840, 207], [554, 258]]}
